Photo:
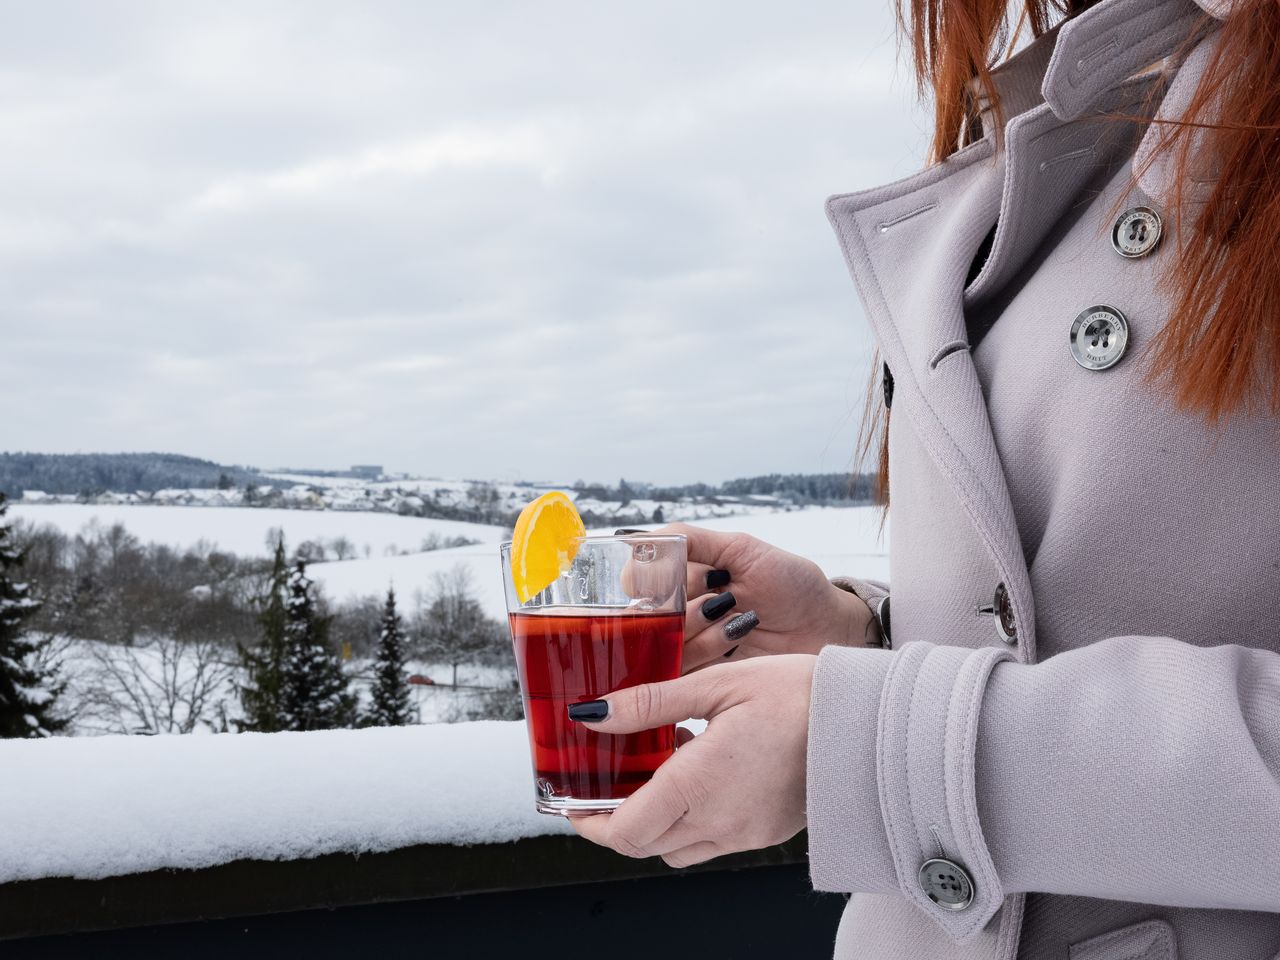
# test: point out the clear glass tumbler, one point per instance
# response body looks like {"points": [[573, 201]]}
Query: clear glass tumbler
{"points": [[614, 619]]}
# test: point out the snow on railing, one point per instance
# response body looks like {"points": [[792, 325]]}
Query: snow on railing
{"points": [[104, 806]]}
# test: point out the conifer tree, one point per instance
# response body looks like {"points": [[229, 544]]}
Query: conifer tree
{"points": [[390, 693], [28, 689], [314, 690], [261, 692]]}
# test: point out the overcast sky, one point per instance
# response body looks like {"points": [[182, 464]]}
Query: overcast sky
{"points": [[538, 240]]}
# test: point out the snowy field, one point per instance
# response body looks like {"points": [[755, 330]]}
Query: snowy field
{"points": [[841, 540], [107, 806], [243, 530]]}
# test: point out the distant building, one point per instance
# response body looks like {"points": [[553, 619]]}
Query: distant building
{"points": [[366, 471]]}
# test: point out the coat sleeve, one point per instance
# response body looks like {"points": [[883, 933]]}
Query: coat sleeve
{"points": [[1136, 768]]}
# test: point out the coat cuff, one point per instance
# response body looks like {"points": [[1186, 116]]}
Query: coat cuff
{"points": [[891, 779], [848, 848]]}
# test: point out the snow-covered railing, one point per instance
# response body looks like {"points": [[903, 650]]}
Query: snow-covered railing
{"points": [[95, 807], [111, 832]]}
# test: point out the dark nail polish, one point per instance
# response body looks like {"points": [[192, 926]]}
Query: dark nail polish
{"points": [[719, 605], [627, 531], [717, 578], [591, 710], [741, 625], [732, 651]]}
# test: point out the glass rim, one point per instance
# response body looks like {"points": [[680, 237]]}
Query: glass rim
{"points": [[619, 538]]}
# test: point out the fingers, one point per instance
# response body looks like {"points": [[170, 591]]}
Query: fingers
{"points": [[653, 571], [712, 548], [683, 736], [681, 845], [715, 640], [702, 577], [699, 852], [642, 818], [707, 609], [650, 705]]}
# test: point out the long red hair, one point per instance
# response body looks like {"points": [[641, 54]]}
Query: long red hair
{"points": [[1219, 351]]}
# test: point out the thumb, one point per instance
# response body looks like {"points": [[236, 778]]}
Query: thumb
{"points": [[649, 705]]}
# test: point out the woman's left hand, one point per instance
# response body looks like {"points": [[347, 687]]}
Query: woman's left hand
{"points": [[740, 785]]}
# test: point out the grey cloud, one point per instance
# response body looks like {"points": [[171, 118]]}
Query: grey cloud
{"points": [[544, 240]]}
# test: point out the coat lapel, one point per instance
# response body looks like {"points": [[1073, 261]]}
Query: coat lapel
{"points": [[908, 247]]}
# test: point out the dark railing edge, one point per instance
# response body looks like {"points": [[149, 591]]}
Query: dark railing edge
{"points": [[254, 887]]}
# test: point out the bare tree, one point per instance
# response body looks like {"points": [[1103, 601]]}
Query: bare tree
{"points": [[161, 684], [454, 627]]}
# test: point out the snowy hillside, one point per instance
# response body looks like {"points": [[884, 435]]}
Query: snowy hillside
{"points": [[243, 530], [841, 540]]}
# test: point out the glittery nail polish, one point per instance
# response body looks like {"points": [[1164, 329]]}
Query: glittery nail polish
{"points": [[740, 626]]}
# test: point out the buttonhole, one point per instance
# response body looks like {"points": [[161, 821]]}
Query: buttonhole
{"points": [[1111, 44], [1065, 158], [885, 225], [955, 346]]}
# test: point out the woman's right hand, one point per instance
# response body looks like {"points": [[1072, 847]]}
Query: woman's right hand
{"points": [[796, 608]]}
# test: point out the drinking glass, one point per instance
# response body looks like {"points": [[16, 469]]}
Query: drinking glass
{"points": [[613, 619]]}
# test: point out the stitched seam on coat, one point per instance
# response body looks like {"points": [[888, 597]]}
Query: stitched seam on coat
{"points": [[918, 819], [980, 664], [897, 665], [1010, 926], [1159, 927]]}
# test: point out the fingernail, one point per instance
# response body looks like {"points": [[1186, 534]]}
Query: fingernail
{"points": [[719, 605], [741, 625], [590, 711], [731, 652], [627, 531], [717, 578]]}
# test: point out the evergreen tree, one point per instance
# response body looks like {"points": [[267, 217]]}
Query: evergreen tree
{"points": [[261, 692], [28, 689], [390, 706], [314, 694]]}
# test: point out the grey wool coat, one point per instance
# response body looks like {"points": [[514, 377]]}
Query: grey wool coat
{"points": [[1072, 748]]}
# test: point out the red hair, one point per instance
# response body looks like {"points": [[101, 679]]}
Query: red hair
{"points": [[1219, 351]]}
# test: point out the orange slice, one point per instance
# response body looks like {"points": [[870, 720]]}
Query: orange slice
{"points": [[544, 543]]}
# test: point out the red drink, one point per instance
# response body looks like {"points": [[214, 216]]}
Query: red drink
{"points": [[566, 657]]}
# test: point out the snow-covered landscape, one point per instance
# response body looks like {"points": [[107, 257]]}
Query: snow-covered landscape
{"points": [[447, 777], [841, 540]]}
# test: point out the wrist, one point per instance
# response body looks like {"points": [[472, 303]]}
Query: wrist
{"points": [[856, 623]]}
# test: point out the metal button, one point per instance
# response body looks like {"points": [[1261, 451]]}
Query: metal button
{"points": [[1099, 336], [1001, 607], [946, 884], [1137, 232], [1005, 624]]}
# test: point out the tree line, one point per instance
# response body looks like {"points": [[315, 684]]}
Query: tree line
{"points": [[174, 630], [94, 473]]}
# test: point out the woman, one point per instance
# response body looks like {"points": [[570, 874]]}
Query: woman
{"points": [[1064, 740]]}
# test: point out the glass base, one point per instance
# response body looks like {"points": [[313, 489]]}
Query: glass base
{"points": [[569, 806]]}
